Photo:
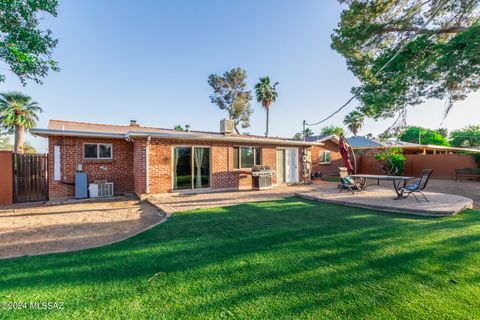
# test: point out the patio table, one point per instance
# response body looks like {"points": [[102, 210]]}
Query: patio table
{"points": [[398, 181]]}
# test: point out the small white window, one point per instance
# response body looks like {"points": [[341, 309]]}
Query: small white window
{"points": [[325, 157], [97, 151]]}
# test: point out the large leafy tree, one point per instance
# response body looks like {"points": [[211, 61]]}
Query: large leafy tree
{"points": [[18, 113], [354, 121], [466, 137], [230, 94], [331, 130], [24, 46], [423, 136], [266, 94], [401, 60]]}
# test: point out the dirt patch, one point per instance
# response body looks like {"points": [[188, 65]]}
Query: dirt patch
{"points": [[59, 228]]}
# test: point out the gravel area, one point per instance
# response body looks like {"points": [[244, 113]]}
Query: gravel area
{"points": [[39, 229]]}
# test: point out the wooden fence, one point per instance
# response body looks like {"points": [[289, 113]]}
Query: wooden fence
{"points": [[30, 177]]}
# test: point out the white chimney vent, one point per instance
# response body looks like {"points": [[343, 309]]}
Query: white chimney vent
{"points": [[227, 126]]}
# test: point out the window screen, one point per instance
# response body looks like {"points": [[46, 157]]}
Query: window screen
{"points": [[90, 151], [97, 151], [105, 151]]}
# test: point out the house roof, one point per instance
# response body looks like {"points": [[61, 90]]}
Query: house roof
{"points": [[323, 137], [354, 142], [85, 129], [359, 142], [416, 146], [362, 142]]}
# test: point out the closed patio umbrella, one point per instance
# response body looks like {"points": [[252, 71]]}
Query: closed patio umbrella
{"points": [[343, 146]]}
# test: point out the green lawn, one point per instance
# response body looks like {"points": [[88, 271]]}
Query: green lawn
{"points": [[279, 259]]}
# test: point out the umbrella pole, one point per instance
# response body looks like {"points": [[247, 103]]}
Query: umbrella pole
{"points": [[354, 161]]}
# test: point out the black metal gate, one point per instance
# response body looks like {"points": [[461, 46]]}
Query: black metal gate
{"points": [[30, 181]]}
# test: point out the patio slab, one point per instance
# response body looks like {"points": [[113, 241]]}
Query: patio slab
{"points": [[381, 198]]}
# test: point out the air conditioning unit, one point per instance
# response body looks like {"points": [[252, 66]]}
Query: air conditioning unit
{"points": [[98, 190], [227, 126]]}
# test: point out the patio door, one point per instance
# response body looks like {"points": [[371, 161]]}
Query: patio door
{"points": [[287, 165], [191, 168], [291, 165]]}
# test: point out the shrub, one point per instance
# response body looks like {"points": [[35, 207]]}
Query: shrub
{"points": [[475, 156], [392, 160]]}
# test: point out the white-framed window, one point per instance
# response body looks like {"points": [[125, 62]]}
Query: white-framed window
{"points": [[246, 157], [95, 151], [325, 157]]}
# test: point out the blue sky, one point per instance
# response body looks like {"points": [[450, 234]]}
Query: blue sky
{"points": [[149, 61]]}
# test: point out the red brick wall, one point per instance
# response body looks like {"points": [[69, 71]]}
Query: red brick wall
{"points": [[118, 170], [224, 176], [127, 169], [139, 166], [330, 169]]}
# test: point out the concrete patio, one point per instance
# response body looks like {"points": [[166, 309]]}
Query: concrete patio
{"points": [[377, 197], [383, 198]]}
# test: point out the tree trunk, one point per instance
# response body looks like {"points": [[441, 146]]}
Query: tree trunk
{"points": [[266, 132], [18, 148]]}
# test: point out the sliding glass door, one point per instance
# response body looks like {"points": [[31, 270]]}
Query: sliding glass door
{"points": [[182, 161], [191, 168]]}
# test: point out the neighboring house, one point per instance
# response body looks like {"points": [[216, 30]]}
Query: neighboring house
{"points": [[362, 143], [444, 160], [145, 160], [326, 158]]}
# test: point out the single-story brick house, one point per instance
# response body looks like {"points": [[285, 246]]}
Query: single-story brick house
{"points": [[145, 160], [325, 158]]}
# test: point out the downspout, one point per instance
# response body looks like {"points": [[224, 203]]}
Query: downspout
{"points": [[147, 164]]}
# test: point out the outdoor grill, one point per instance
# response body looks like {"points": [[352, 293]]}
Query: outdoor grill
{"points": [[262, 177]]}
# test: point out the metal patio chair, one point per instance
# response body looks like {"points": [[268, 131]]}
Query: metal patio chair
{"points": [[417, 187], [346, 182]]}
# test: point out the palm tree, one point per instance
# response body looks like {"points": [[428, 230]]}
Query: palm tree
{"points": [[266, 95], [18, 113], [354, 121]]}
